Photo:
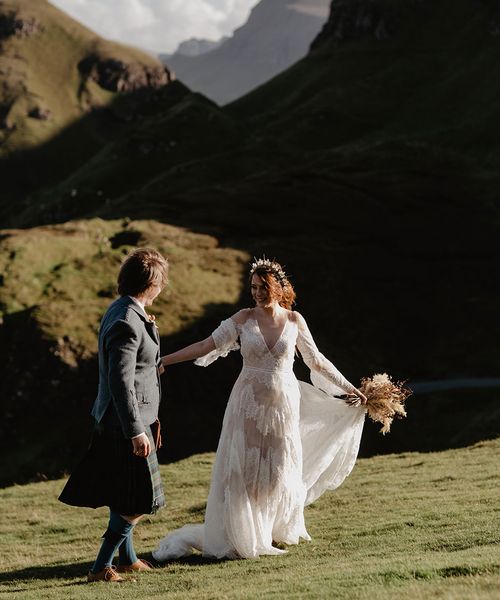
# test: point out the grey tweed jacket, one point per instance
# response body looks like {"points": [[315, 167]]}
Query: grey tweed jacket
{"points": [[129, 357]]}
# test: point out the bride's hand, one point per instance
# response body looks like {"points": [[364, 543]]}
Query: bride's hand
{"points": [[356, 399]]}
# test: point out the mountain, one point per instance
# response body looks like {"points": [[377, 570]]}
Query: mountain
{"points": [[276, 34], [194, 47], [369, 168]]}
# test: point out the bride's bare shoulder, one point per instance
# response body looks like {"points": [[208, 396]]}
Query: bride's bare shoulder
{"points": [[240, 318]]}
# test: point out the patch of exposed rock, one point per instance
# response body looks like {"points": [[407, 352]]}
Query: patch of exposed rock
{"points": [[116, 76], [11, 25], [42, 114]]}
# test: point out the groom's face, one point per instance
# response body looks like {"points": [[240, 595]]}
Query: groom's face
{"points": [[151, 293]]}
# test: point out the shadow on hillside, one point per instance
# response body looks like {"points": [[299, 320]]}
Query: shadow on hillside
{"points": [[65, 571], [78, 571], [135, 136], [44, 404], [438, 421]]}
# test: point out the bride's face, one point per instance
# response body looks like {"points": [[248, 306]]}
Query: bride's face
{"points": [[260, 293]]}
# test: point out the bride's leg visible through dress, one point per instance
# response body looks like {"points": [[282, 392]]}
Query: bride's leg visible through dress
{"points": [[263, 464], [273, 462]]}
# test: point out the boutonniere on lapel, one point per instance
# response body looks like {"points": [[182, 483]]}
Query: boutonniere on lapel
{"points": [[152, 319]]}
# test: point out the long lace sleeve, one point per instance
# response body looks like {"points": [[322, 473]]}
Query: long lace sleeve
{"points": [[323, 372], [225, 338]]}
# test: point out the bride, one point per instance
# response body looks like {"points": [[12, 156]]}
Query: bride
{"points": [[283, 442]]}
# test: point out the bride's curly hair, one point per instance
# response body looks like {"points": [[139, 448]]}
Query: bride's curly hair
{"points": [[280, 291]]}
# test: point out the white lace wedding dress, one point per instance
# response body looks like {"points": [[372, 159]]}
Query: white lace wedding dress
{"points": [[283, 443]]}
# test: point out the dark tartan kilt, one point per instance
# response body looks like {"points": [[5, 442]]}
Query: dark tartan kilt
{"points": [[111, 475]]}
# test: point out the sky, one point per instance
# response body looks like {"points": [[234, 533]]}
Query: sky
{"points": [[159, 25]]}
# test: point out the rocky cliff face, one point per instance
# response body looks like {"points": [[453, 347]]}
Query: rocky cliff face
{"points": [[381, 19], [352, 19], [117, 76], [12, 25]]}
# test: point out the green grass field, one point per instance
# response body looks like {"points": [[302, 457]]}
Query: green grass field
{"points": [[411, 525]]}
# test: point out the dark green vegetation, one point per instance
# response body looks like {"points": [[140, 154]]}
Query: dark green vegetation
{"points": [[402, 527], [369, 168]]}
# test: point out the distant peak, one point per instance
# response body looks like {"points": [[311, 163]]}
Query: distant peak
{"points": [[314, 8]]}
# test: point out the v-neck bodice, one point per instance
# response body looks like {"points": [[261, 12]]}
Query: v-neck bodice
{"points": [[270, 348], [256, 353]]}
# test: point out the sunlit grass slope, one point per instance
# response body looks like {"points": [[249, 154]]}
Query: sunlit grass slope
{"points": [[41, 68], [66, 274], [402, 527], [57, 75]]}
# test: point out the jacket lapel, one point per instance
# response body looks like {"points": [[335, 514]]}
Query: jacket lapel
{"points": [[150, 325], [152, 329]]}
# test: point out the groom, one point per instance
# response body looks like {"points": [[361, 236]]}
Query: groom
{"points": [[120, 469]]}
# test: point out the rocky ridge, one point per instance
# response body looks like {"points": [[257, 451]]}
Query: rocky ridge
{"points": [[116, 76], [381, 19], [12, 25]]}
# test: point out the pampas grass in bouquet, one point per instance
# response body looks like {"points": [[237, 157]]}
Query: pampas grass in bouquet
{"points": [[386, 399]]}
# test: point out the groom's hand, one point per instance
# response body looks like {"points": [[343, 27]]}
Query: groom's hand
{"points": [[141, 445]]}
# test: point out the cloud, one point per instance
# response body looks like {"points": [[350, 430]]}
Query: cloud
{"points": [[158, 25]]}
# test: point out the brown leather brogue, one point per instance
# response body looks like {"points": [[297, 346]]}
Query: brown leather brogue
{"points": [[139, 565], [107, 574]]}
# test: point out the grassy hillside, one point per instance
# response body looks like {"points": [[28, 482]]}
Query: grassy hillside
{"points": [[405, 526], [54, 72]]}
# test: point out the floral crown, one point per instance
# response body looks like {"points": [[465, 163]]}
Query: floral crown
{"points": [[270, 266]]}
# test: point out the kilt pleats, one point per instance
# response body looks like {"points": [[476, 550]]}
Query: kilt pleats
{"points": [[111, 475]]}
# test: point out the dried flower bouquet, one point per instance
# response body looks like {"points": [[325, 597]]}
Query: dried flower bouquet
{"points": [[385, 399]]}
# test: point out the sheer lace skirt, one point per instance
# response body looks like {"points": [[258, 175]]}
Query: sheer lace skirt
{"points": [[282, 444], [257, 493]]}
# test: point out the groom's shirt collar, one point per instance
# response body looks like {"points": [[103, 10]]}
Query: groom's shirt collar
{"points": [[139, 304]]}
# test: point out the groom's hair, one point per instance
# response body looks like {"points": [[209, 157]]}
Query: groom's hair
{"points": [[142, 269]]}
